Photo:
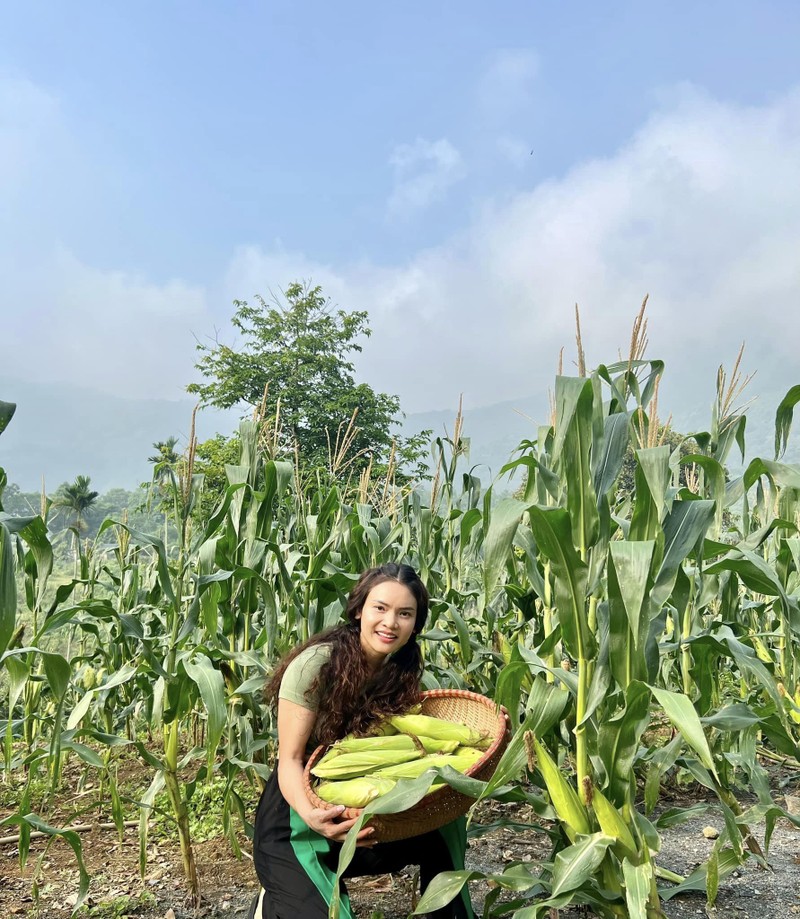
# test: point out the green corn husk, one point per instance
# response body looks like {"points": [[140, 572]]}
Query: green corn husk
{"points": [[435, 745], [354, 792], [425, 726], [351, 765], [612, 824], [412, 770], [563, 796], [382, 729], [394, 742]]}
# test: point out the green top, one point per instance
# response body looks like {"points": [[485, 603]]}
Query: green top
{"points": [[301, 673]]}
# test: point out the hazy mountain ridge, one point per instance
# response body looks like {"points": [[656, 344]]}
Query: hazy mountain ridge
{"points": [[62, 431]]}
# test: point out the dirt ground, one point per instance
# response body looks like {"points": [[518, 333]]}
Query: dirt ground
{"points": [[228, 883]]}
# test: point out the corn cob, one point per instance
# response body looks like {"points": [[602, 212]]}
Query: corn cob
{"points": [[563, 796], [612, 824], [460, 761], [381, 729], [424, 725], [354, 792], [394, 742], [351, 765]]}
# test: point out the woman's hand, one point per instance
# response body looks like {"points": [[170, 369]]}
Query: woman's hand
{"points": [[327, 823], [295, 725]]}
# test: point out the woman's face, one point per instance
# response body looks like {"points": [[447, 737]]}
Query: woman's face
{"points": [[387, 621]]}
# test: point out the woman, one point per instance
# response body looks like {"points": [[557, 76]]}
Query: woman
{"points": [[340, 682]]}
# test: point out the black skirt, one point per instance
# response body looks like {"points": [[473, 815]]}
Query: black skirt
{"points": [[297, 866]]}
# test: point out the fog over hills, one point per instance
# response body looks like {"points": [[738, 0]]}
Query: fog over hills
{"points": [[62, 431]]}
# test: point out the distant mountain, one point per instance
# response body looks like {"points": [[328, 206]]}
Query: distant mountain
{"points": [[60, 431], [63, 431], [494, 431]]}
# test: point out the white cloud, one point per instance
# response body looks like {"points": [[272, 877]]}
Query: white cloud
{"points": [[107, 330], [514, 150], [423, 172], [701, 208], [29, 118], [507, 84]]}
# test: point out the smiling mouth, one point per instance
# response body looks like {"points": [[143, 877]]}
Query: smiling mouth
{"points": [[385, 636]]}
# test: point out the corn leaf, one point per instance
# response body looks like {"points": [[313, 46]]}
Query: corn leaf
{"points": [[568, 394], [726, 863], [581, 496], [607, 462], [73, 840], [503, 523], [563, 796], [7, 410], [448, 884], [783, 420], [618, 740], [631, 562], [574, 865], [8, 588], [638, 880], [654, 463], [778, 474], [209, 681], [680, 711], [684, 528], [18, 674], [612, 824], [552, 530]]}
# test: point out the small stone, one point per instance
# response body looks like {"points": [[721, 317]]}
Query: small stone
{"points": [[226, 904], [71, 900], [169, 914], [792, 805], [710, 832]]}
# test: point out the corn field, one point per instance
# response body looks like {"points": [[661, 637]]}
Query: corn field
{"points": [[631, 633]]}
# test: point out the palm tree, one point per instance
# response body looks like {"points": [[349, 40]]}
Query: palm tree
{"points": [[77, 500], [164, 459], [165, 462]]}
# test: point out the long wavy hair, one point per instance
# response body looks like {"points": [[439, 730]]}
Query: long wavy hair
{"points": [[355, 700]]}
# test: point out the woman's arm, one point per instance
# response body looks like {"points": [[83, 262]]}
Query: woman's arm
{"points": [[295, 725]]}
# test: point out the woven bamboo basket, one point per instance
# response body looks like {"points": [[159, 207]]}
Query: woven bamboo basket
{"points": [[444, 804]]}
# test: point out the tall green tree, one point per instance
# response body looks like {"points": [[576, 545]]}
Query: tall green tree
{"points": [[298, 350], [165, 458], [76, 499]]}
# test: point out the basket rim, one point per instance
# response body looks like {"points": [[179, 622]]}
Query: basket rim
{"points": [[501, 730]]}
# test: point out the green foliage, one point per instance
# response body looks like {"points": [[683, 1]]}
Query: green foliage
{"points": [[587, 612], [297, 353], [77, 500], [204, 806], [119, 907], [211, 458]]}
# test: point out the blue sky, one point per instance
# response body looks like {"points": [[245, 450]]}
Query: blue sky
{"points": [[464, 171]]}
